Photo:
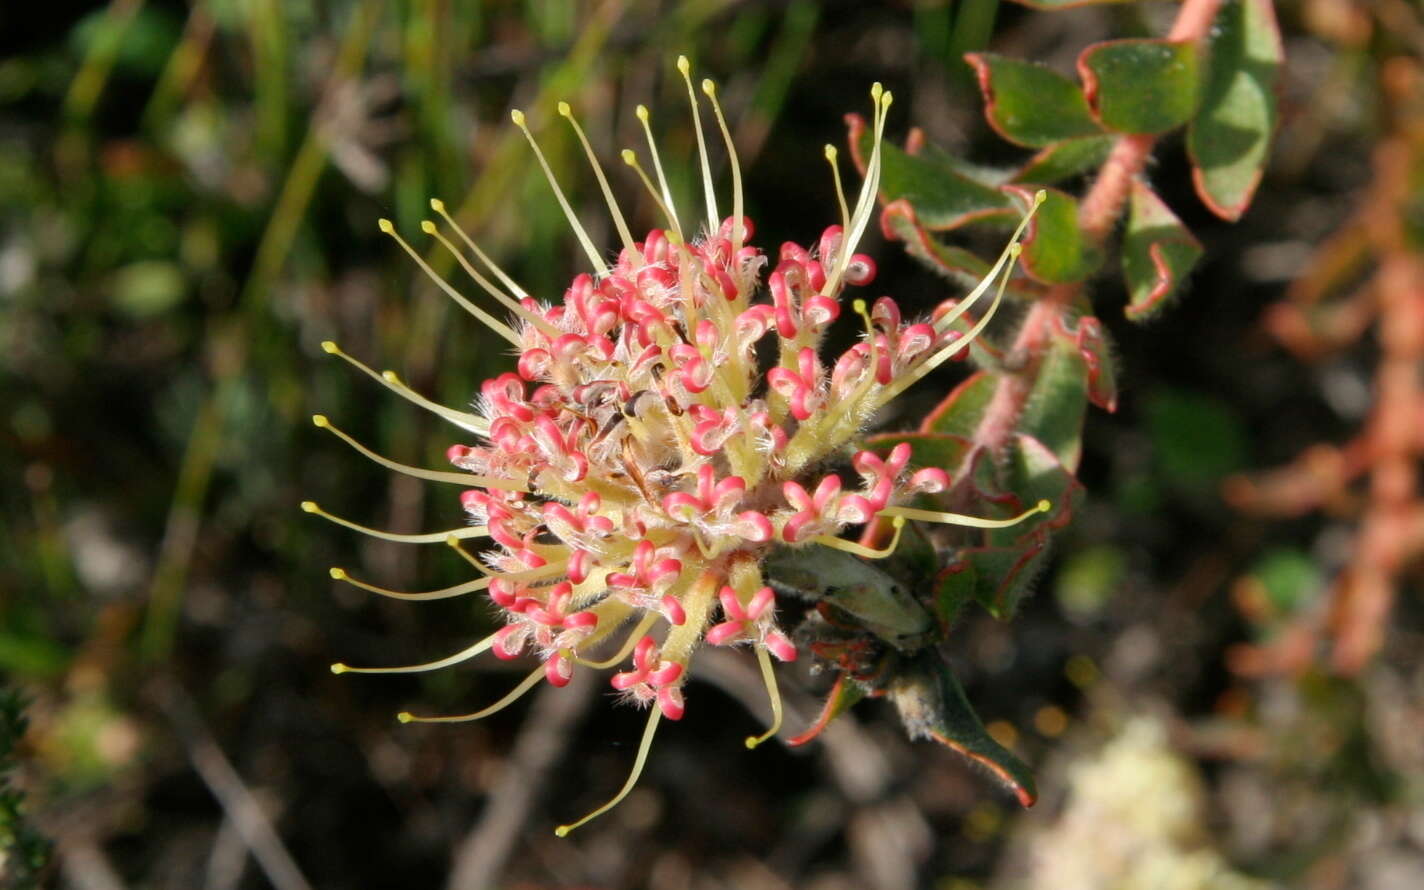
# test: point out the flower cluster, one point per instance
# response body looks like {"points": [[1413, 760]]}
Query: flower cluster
{"points": [[638, 464]]}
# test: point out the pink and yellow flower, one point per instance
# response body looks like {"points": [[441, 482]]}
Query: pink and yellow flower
{"points": [[638, 464]]}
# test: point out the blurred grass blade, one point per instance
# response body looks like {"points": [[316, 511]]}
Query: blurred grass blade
{"points": [[84, 90]]}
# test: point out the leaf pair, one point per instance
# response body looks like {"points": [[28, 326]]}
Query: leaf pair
{"points": [[1224, 92]]}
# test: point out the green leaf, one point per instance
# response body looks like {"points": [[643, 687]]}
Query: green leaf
{"points": [[932, 705], [1229, 139], [955, 263], [1004, 566], [844, 694], [1031, 105], [898, 221], [954, 585], [1097, 355], [875, 601], [1002, 575], [1141, 85], [1058, 403], [1032, 472], [1053, 248], [1157, 253], [960, 412], [927, 449], [942, 194], [1066, 159]]}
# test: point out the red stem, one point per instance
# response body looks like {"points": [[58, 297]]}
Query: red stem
{"points": [[1101, 207], [1386, 542]]}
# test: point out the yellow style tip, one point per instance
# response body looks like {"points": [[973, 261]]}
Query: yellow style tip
{"points": [[319, 420], [683, 65], [390, 377], [752, 742], [453, 541], [1040, 196], [642, 112], [565, 109], [310, 506], [339, 668], [886, 99], [563, 830], [876, 90], [708, 86], [898, 522], [386, 226], [517, 116], [405, 716], [427, 227], [1014, 250], [330, 347], [1044, 505], [831, 153], [437, 205], [858, 306], [629, 157], [337, 573]]}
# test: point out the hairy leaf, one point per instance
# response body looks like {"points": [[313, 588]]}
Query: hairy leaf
{"points": [[1005, 564], [1141, 85], [943, 194], [1031, 105], [1096, 351], [1229, 139], [1054, 251], [898, 222], [960, 412], [1157, 253], [932, 705], [954, 586], [1066, 159], [1056, 407], [843, 695]]}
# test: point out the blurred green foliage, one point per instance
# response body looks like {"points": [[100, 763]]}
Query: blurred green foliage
{"points": [[1087, 581], [1290, 578], [1197, 441], [23, 853]]}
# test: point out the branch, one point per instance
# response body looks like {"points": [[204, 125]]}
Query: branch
{"points": [[232, 793], [547, 731]]}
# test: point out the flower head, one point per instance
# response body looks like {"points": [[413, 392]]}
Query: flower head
{"points": [[636, 466]]}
